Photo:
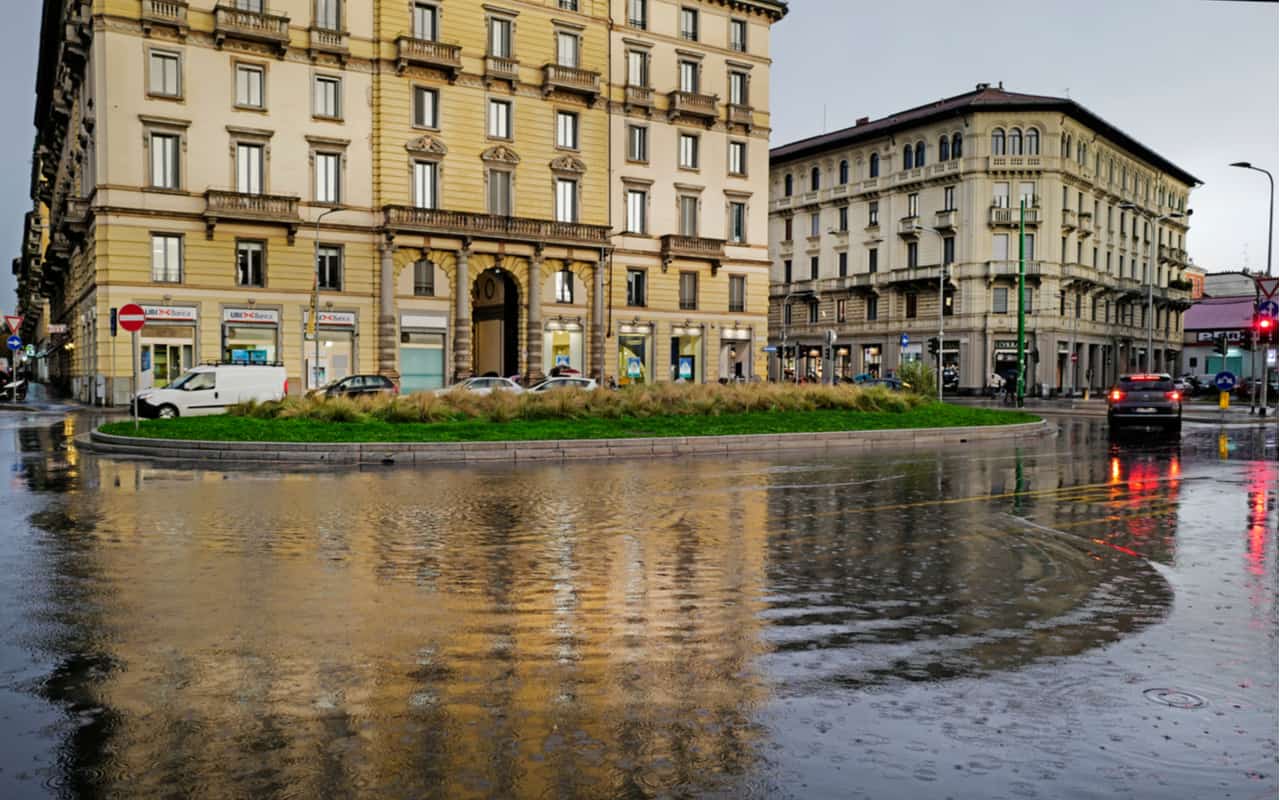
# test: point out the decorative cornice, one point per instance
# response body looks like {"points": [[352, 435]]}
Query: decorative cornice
{"points": [[427, 145], [568, 163], [500, 154]]}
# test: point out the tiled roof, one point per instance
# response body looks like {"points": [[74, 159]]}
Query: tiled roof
{"points": [[985, 98], [1219, 314]]}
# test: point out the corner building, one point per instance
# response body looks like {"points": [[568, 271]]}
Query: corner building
{"points": [[863, 220], [453, 177]]}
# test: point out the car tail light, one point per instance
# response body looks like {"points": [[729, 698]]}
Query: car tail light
{"points": [[1116, 396], [1175, 396]]}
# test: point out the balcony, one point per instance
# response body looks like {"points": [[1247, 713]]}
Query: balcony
{"points": [[169, 13], [489, 226], [584, 82], [920, 277], [446, 58], [1068, 219], [1085, 226], [693, 105], [946, 220], [741, 115], [323, 40], [251, 26], [677, 246], [638, 97], [1009, 269], [1002, 217], [498, 68], [909, 227], [76, 218], [861, 282], [269, 208]]}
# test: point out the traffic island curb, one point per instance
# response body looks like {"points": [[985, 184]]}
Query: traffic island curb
{"points": [[259, 454]]}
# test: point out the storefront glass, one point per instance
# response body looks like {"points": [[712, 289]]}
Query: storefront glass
{"points": [[633, 360], [562, 348], [250, 344], [335, 360], [165, 353], [421, 361], [686, 356], [871, 360]]}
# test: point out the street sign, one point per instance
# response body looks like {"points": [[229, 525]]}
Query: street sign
{"points": [[906, 340], [1075, 357], [57, 329], [1269, 308], [15, 343], [1225, 381], [769, 348], [14, 323], [132, 317]]}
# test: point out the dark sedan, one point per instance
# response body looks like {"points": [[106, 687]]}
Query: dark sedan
{"points": [[1145, 399], [357, 386]]}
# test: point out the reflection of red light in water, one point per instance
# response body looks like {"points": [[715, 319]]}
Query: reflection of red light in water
{"points": [[1175, 468], [1257, 520], [1124, 550], [1115, 470]]}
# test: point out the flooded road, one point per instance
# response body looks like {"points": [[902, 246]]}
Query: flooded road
{"points": [[1075, 618]]}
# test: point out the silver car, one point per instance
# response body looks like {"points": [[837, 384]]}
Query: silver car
{"points": [[557, 384], [484, 386]]}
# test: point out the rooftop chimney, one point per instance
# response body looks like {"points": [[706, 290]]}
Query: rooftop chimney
{"points": [[861, 121]]}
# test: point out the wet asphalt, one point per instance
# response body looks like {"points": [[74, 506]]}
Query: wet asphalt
{"points": [[1081, 617]]}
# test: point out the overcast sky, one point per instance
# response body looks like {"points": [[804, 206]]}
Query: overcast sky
{"points": [[1196, 80]]}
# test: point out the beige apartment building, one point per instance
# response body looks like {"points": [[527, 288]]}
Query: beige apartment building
{"points": [[864, 219], [467, 188]]}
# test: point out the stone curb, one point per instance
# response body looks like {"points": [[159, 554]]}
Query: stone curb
{"points": [[249, 454]]}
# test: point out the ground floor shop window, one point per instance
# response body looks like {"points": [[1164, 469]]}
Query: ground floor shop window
{"points": [[164, 354], [633, 359], [332, 360], [250, 344], [421, 360], [735, 359], [562, 347], [871, 360], [686, 355]]}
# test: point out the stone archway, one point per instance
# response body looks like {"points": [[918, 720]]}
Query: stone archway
{"points": [[495, 323]]}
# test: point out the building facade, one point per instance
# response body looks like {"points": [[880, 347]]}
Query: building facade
{"points": [[450, 180], [864, 220]]}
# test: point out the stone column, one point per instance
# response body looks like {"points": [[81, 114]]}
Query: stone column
{"points": [[534, 368], [462, 317], [597, 320], [387, 365]]}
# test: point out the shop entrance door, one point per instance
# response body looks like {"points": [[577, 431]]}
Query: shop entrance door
{"points": [[161, 363], [495, 336]]}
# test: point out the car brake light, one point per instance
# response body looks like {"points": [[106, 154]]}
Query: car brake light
{"points": [[1175, 396], [1116, 395]]}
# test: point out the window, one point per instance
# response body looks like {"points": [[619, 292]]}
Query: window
{"points": [[874, 166], [1079, 252], [738, 89], [566, 200], [873, 260], [913, 254], [737, 158], [1000, 247], [636, 212], [1000, 195], [328, 178], [1015, 142], [919, 154], [564, 286], [787, 185], [1000, 300], [250, 269], [944, 148], [738, 35], [426, 109], [737, 293], [424, 184], [688, 151], [813, 268], [329, 267], [815, 223], [815, 179], [567, 49], [328, 15], [424, 22], [567, 130], [908, 156], [328, 93], [844, 171], [913, 305], [957, 146], [1026, 297], [1064, 249], [737, 222], [786, 271], [424, 278], [913, 205], [249, 168], [164, 161], [249, 80], [1030, 246], [689, 24], [500, 119], [166, 75], [636, 287], [638, 143], [638, 13], [786, 229], [166, 258], [949, 198], [688, 291], [1027, 193], [843, 264], [1033, 142], [997, 142], [813, 313], [637, 68], [842, 215], [500, 192], [948, 250], [569, 5], [689, 76], [500, 37], [873, 212], [873, 308]]}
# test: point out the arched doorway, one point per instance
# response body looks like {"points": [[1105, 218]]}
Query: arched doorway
{"points": [[495, 324]]}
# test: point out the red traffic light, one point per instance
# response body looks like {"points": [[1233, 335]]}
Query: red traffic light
{"points": [[1266, 324]]}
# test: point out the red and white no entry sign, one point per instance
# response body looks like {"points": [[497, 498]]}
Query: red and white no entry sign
{"points": [[131, 317]]}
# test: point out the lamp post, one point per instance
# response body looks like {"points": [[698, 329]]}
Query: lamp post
{"points": [[942, 296], [314, 322], [1151, 276], [1271, 215], [782, 361]]}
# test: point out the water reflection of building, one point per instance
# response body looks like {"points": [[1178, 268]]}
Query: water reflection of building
{"points": [[511, 633]]}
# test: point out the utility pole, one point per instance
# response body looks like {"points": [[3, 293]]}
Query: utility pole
{"points": [[1022, 300]]}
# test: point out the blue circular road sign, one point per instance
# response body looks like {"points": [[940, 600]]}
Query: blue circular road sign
{"points": [[906, 340], [1225, 381], [15, 343], [1269, 308]]}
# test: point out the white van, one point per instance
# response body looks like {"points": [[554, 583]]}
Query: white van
{"points": [[211, 389]]}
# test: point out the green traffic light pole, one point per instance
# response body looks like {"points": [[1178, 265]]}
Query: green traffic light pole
{"points": [[1022, 301]]}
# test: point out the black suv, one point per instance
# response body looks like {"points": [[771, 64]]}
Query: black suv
{"points": [[1145, 399]]}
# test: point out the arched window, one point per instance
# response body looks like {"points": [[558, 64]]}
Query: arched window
{"points": [[424, 278], [1033, 143], [873, 166], [815, 179], [957, 145], [997, 142], [1015, 142], [919, 154], [907, 156], [844, 171], [786, 185], [944, 148], [1066, 145]]}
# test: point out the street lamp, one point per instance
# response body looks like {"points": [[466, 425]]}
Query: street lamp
{"points": [[314, 322], [782, 360], [1151, 274], [942, 291], [1271, 214]]}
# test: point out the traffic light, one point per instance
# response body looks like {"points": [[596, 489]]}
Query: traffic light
{"points": [[933, 345], [1264, 326], [1220, 345]]}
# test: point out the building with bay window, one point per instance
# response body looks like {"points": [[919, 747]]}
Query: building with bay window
{"points": [[863, 221], [438, 173]]}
